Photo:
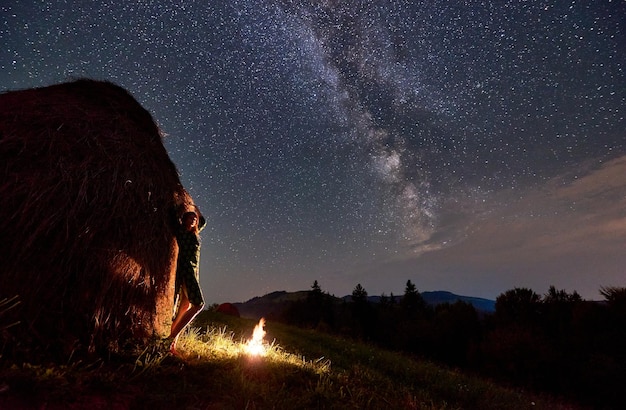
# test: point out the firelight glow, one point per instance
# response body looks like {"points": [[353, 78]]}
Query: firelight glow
{"points": [[255, 346]]}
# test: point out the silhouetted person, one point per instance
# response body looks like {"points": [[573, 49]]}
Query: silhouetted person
{"points": [[188, 290]]}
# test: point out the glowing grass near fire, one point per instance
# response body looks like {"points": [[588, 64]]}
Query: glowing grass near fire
{"points": [[218, 343]]}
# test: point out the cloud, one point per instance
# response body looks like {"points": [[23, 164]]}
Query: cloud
{"points": [[569, 232], [572, 212]]}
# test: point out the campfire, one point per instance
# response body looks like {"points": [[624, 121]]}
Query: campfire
{"points": [[255, 346]]}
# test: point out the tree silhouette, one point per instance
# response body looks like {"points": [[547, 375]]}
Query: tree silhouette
{"points": [[315, 295], [412, 302], [315, 288], [519, 305], [384, 301], [359, 294], [362, 314], [615, 296], [560, 296]]}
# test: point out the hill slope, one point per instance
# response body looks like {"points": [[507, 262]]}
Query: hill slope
{"points": [[302, 370]]}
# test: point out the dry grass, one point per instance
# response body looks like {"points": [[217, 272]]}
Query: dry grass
{"points": [[215, 372], [88, 199]]}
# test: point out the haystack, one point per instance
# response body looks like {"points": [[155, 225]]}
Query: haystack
{"points": [[89, 199]]}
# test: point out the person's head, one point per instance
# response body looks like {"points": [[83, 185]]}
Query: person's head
{"points": [[189, 221]]}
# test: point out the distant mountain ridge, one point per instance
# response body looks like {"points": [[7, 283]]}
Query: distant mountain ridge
{"points": [[275, 302], [437, 297]]}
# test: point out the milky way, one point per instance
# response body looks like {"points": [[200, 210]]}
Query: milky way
{"points": [[327, 139]]}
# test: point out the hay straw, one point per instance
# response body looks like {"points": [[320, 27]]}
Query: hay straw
{"points": [[89, 196]]}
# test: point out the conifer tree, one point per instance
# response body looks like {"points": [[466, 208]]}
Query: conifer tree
{"points": [[412, 302]]}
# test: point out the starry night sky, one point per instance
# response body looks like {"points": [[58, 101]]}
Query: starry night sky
{"points": [[466, 146]]}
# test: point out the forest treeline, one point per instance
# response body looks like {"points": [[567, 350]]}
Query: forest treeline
{"points": [[556, 343]]}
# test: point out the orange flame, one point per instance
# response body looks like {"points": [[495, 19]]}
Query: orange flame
{"points": [[255, 346]]}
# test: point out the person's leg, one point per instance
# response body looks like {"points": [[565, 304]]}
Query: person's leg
{"points": [[183, 320], [183, 307], [186, 313]]}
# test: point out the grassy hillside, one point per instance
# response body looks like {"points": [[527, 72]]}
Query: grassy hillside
{"points": [[300, 370]]}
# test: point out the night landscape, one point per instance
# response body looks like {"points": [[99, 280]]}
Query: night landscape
{"points": [[408, 205]]}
